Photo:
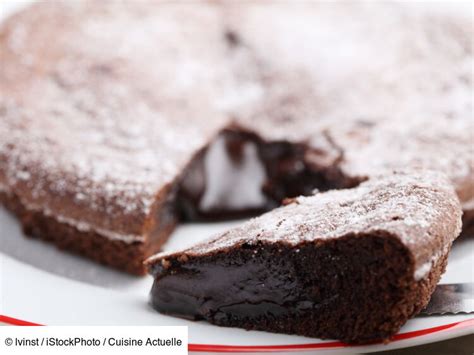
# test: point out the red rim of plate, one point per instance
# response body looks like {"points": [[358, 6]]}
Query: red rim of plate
{"points": [[468, 323]]}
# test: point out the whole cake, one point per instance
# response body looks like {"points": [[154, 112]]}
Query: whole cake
{"points": [[352, 264], [119, 119]]}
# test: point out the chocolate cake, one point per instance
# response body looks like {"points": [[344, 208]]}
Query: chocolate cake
{"points": [[119, 119], [351, 264]]}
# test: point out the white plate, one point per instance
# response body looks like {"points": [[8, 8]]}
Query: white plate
{"points": [[40, 284]]}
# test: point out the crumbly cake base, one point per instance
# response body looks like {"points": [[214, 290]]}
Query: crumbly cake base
{"points": [[121, 255]]}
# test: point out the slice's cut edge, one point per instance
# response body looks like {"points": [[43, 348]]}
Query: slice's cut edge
{"points": [[356, 288]]}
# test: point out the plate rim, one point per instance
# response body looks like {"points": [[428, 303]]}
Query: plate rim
{"points": [[463, 324]]}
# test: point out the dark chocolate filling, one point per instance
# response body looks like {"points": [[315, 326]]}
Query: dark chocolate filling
{"points": [[303, 290]]}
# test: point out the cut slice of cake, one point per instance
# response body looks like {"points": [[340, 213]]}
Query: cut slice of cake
{"points": [[352, 264]]}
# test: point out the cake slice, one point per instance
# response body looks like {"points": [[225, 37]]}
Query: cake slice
{"points": [[352, 264]]}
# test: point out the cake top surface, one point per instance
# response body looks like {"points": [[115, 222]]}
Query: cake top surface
{"points": [[104, 103], [420, 209]]}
